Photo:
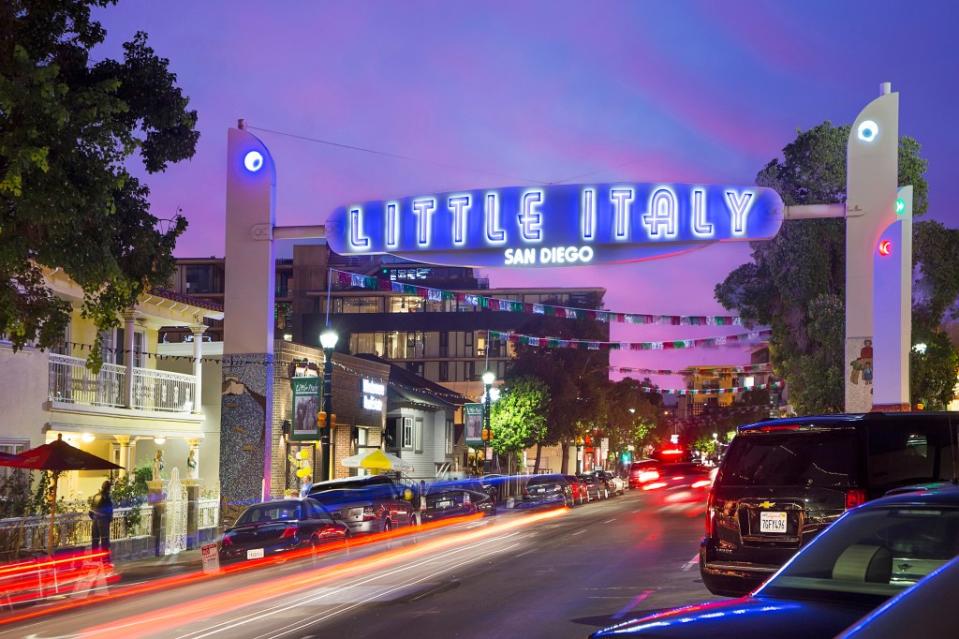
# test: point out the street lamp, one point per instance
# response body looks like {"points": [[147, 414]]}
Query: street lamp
{"points": [[488, 378], [328, 339]]}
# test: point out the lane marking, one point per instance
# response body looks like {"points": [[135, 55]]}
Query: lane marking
{"points": [[692, 562], [609, 521], [579, 532]]}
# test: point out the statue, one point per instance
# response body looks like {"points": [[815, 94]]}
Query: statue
{"points": [[157, 465], [191, 463]]}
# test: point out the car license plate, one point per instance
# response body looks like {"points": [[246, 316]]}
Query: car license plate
{"points": [[772, 522], [254, 553]]}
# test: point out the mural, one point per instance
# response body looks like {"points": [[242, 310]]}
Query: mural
{"points": [[244, 403]]}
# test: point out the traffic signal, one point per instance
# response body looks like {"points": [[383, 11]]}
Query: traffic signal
{"points": [[321, 419], [487, 435]]}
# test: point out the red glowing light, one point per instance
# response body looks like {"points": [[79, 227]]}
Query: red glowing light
{"points": [[672, 451], [885, 247]]}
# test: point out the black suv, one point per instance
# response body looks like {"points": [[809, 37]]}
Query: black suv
{"points": [[783, 481]]}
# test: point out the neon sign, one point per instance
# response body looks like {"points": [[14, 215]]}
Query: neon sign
{"points": [[558, 225]]}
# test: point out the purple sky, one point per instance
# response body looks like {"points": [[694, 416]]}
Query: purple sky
{"points": [[517, 91]]}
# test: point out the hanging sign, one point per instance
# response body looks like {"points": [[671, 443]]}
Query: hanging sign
{"points": [[373, 393], [306, 402], [473, 424], [559, 225]]}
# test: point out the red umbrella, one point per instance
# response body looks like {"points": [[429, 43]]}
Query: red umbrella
{"points": [[58, 456]]}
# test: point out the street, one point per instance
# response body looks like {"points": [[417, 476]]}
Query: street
{"points": [[521, 574]]}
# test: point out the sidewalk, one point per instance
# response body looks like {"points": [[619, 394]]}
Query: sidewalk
{"points": [[143, 569]]}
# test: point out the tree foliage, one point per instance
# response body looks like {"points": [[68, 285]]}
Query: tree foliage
{"points": [[69, 130], [518, 417], [576, 378], [795, 283], [633, 414]]}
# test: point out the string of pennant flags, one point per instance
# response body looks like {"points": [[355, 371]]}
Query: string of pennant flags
{"points": [[357, 280], [715, 371], [595, 345], [709, 391]]}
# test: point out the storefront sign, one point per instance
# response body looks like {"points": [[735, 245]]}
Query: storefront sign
{"points": [[473, 424], [373, 393], [561, 225], [306, 403]]}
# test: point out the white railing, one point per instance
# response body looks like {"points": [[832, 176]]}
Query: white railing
{"points": [[29, 534], [71, 382], [162, 390]]}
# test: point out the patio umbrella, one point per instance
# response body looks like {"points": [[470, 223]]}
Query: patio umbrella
{"points": [[58, 456], [377, 460]]}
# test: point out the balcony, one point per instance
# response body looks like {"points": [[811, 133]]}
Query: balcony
{"points": [[73, 384]]}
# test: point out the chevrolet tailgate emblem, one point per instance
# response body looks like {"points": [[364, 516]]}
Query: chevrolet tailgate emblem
{"points": [[767, 504]]}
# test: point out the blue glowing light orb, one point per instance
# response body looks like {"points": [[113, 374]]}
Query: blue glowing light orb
{"points": [[868, 130], [253, 161]]}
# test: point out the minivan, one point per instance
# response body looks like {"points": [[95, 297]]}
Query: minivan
{"points": [[783, 481]]}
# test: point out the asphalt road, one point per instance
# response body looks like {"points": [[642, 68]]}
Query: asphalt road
{"points": [[549, 574]]}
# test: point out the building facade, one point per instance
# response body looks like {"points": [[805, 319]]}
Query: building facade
{"points": [[445, 342], [131, 410], [421, 424]]}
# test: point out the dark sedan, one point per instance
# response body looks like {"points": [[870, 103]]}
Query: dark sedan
{"points": [[868, 556], [542, 490], [276, 527], [455, 502]]}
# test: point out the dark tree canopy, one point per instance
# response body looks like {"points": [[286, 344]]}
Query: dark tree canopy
{"points": [[70, 128], [796, 282]]}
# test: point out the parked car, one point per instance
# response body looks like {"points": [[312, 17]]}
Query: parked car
{"points": [[274, 527], [595, 487], [614, 484], [367, 504], [446, 503], [577, 489], [865, 558], [547, 489], [784, 481]]}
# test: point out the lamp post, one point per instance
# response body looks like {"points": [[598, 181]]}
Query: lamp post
{"points": [[328, 339], [579, 454], [488, 378]]}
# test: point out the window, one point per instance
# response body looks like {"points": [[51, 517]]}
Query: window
{"points": [[444, 372], [449, 436], [418, 434], [875, 552], [444, 344], [802, 459], [200, 278], [905, 454], [362, 437], [408, 432], [12, 447]]}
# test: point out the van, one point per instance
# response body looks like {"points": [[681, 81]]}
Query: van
{"points": [[783, 481]]}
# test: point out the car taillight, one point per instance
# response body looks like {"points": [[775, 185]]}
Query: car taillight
{"points": [[288, 532], [710, 516], [855, 497], [648, 476], [227, 541]]}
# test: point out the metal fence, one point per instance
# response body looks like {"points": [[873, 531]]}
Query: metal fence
{"points": [[25, 535], [71, 382]]}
